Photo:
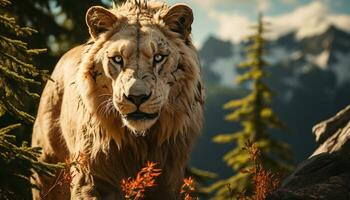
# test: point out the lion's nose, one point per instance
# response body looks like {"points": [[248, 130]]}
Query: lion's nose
{"points": [[138, 99]]}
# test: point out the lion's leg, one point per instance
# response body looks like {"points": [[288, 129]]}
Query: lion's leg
{"points": [[47, 135], [49, 189]]}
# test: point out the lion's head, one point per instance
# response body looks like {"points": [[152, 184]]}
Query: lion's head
{"points": [[141, 63]]}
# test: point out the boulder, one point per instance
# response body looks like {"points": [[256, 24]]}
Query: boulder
{"points": [[326, 173]]}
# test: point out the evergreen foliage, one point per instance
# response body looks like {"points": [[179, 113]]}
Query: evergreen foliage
{"points": [[18, 79], [255, 114], [16, 165], [60, 25], [17, 74]]}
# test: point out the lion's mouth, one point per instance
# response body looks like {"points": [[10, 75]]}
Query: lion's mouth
{"points": [[138, 115]]}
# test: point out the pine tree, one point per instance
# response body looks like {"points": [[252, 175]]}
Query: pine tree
{"points": [[255, 114], [18, 79], [60, 25]]}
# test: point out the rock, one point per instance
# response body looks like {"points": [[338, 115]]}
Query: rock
{"points": [[326, 129], [326, 173], [333, 133]]}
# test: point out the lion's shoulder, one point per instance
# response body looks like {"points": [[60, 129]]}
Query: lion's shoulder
{"points": [[72, 57], [68, 65]]}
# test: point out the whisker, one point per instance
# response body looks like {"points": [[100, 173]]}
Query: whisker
{"points": [[110, 107], [101, 104], [156, 98], [153, 104], [103, 95], [102, 107]]}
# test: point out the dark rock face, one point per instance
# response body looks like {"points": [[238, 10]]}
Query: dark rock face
{"points": [[326, 174]]}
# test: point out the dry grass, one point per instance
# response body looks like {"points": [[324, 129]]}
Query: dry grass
{"points": [[265, 181], [145, 179], [135, 188], [65, 175], [188, 189]]}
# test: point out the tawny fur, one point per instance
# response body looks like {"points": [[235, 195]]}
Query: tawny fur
{"points": [[81, 110]]}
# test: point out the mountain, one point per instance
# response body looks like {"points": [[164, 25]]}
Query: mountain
{"points": [[328, 50], [213, 49], [310, 78]]}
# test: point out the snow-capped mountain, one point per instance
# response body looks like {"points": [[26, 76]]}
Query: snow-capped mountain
{"points": [[329, 50]]}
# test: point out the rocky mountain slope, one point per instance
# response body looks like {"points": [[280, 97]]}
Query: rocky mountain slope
{"points": [[326, 174]]}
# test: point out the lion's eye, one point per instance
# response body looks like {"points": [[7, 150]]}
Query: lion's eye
{"points": [[159, 58], [118, 60]]}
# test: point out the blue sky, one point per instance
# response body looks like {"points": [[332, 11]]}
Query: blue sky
{"points": [[231, 19]]}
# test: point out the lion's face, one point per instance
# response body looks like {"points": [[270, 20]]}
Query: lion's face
{"points": [[140, 63], [143, 58]]}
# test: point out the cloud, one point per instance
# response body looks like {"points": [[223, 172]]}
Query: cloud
{"points": [[341, 21], [233, 27], [307, 20], [263, 5], [228, 22], [216, 2]]}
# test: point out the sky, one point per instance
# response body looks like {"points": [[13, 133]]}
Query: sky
{"points": [[232, 19]]}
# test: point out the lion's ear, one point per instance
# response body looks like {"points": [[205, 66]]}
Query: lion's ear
{"points": [[179, 18], [99, 20]]}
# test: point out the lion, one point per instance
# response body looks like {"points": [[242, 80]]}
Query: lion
{"points": [[133, 93]]}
